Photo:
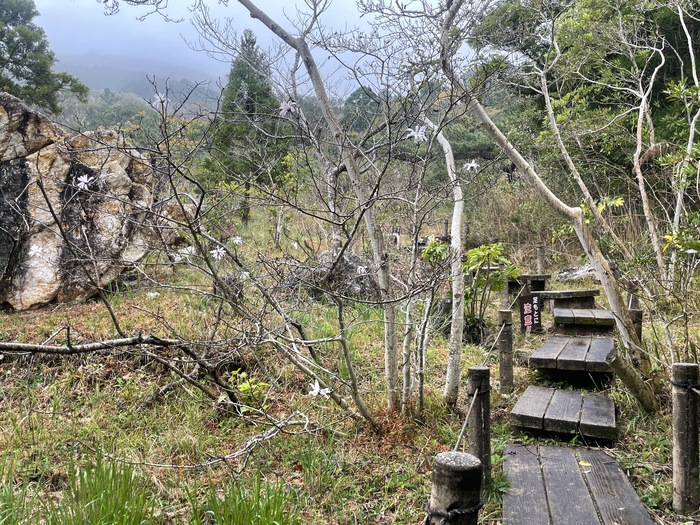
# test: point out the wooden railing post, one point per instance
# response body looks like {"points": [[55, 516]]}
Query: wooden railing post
{"points": [[541, 264], [686, 456], [637, 316], [455, 496], [505, 350], [479, 422]]}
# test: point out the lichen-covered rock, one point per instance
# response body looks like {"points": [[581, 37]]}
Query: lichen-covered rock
{"points": [[72, 209]]}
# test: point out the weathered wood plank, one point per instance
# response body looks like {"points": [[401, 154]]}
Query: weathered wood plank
{"points": [[563, 412], [603, 317], [525, 502], [598, 418], [569, 294], [573, 355], [583, 316], [597, 353], [569, 298], [546, 355], [529, 411], [569, 500], [563, 316], [617, 502]]}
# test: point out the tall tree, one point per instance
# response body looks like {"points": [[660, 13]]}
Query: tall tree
{"points": [[26, 62], [246, 145]]}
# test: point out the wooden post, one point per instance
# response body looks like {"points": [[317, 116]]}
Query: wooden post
{"points": [[632, 299], [541, 264], [505, 296], [686, 457], [637, 316], [455, 496], [479, 422], [505, 350]]}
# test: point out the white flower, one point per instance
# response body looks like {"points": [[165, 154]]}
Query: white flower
{"points": [[295, 245], [287, 107], [245, 276], [361, 270], [218, 253], [161, 99], [418, 134], [237, 240], [34, 251], [472, 165], [317, 390], [84, 181], [152, 295]]}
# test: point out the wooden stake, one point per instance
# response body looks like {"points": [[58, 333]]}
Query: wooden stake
{"points": [[541, 264], [637, 316], [686, 457], [479, 423], [455, 496], [505, 350]]}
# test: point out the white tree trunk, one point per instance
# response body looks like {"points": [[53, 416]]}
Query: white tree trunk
{"points": [[454, 358]]}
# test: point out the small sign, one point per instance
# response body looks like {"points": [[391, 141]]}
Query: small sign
{"points": [[530, 319]]}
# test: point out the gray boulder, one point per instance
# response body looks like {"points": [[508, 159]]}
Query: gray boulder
{"points": [[72, 209]]}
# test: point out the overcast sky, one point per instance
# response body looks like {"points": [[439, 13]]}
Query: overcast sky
{"points": [[78, 27]]}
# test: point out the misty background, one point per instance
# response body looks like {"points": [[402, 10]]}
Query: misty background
{"points": [[118, 52]]}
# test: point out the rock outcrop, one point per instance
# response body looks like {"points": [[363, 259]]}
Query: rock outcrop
{"points": [[72, 209]]}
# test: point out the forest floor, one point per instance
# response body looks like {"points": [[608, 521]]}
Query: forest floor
{"points": [[61, 414]]}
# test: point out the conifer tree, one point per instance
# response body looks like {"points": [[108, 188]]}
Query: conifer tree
{"points": [[26, 62], [246, 148]]}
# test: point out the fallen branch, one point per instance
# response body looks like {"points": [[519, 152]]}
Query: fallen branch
{"points": [[70, 349]]}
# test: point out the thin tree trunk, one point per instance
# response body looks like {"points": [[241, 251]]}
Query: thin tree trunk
{"points": [[454, 358], [345, 149]]}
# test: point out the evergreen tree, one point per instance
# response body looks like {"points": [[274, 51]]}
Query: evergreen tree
{"points": [[246, 147], [26, 62]]}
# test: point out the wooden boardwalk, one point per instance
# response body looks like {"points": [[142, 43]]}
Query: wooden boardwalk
{"points": [[569, 298], [568, 486], [565, 412], [552, 485], [584, 317], [576, 354]]}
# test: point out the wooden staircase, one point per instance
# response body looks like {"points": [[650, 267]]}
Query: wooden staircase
{"points": [[575, 359], [564, 485]]}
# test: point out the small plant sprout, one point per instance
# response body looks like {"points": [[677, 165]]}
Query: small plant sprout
{"points": [[218, 253], [237, 240], [83, 182], [287, 107], [418, 134], [472, 165], [316, 390]]}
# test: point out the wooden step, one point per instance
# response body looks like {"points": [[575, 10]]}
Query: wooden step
{"points": [[583, 320], [569, 298], [536, 282], [565, 486], [576, 354], [565, 412]]}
